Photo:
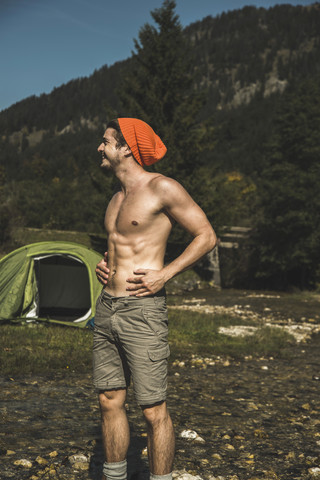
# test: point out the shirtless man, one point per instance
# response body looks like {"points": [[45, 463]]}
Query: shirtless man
{"points": [[131, 324]]}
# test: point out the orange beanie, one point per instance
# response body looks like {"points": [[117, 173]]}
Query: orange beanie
{"points": [[146, 146]]}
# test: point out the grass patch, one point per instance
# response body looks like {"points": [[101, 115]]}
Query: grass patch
{"points": [[38, 348], [303, 296], [192, 332]]}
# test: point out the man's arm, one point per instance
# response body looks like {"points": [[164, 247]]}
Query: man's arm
{"points": [[102, 270], [182, 208]]}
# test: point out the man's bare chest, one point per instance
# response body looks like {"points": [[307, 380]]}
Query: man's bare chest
{"points": [[131, 214]]}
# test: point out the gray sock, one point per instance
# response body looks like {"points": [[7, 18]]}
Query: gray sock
{"points": [[115, 471], [161, 477]]}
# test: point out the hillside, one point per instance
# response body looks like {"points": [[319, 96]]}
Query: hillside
{"points": [[255, 51]]}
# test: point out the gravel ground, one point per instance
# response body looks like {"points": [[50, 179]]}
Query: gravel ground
{"points": [[254, 419]]}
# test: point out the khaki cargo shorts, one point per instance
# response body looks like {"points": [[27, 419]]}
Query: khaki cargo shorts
{"points": [[131, 340]]}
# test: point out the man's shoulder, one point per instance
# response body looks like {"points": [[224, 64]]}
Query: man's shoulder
{"points": [[168, 190], [160, 183]]}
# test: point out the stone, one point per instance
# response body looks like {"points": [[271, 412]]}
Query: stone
{"points": [[183, 475], [291, 456], [10, 452], [189, 434], [178, 363], [216, 456], [53, 454], [229, 447], [41, 461], [78, 458], [23, 463], [81, 465], [198, 362], [199, 439], [314, 472]]}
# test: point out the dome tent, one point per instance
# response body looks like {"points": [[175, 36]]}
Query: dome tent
{"points": [[49, 281]]}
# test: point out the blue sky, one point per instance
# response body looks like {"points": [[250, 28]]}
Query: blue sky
{"points": [[45, 43]]}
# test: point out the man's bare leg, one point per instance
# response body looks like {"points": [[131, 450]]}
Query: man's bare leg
{"points": [[161, 441], [115, 426]]}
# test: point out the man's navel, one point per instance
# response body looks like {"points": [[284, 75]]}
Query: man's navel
{"points": [[134, 222]]}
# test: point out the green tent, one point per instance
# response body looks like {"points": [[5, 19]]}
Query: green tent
{"points": [[49, 281]]}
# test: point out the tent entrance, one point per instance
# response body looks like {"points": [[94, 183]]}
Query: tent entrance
{"points": [[63, 288]]}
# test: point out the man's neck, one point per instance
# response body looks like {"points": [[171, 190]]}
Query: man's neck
{"points": [[130, 175]]}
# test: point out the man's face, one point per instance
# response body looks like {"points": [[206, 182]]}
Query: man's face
{"points": [[109, 152]]}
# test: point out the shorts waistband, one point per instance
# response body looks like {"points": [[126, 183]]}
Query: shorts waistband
{"points": [[132, 299]]}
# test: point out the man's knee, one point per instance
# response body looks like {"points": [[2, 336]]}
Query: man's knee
{"points": [[112, 400], [155, 414]]}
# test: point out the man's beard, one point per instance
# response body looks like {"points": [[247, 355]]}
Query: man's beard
{"points": [[106, 169]]}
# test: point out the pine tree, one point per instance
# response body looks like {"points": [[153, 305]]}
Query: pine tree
{"points": [[159, 89], [288, 234]]}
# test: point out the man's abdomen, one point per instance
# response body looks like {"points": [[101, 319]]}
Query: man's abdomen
{"points": [[117, 282]]}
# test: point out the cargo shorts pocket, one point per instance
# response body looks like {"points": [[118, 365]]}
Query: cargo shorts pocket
{"points": [[158, 368], [156, 354]]}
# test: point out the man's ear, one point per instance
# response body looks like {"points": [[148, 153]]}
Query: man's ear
{"points": [[127, 151]]}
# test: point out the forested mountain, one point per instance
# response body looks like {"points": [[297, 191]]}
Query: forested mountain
{"points": [[246, 65]]}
